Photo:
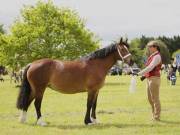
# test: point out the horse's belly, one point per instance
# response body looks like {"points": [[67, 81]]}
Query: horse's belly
{"points": [[67, 89], [68, 80]]}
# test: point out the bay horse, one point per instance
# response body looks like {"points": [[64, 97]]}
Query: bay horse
{"points": [[83, 75]]}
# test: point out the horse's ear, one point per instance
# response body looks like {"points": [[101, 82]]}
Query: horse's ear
{"points": [[121, 40], [126, 40]]}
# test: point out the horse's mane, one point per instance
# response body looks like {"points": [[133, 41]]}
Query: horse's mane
{"points": [[101, 53]]}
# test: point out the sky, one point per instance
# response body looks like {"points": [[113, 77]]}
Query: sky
{"points": [[110, 19]]}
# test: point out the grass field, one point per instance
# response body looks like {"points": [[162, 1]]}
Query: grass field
{"points": [[119, 112]]}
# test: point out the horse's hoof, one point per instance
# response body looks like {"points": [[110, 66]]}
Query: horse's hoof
{"points": [[92, 122], [22, 118], [40, 122], [89, 124], [95, 121]]}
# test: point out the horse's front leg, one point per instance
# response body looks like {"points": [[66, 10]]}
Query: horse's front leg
{"points": [[90, 100], [93, 115]]}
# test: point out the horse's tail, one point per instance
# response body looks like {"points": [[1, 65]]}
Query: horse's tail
{"points": [[24, 93]]}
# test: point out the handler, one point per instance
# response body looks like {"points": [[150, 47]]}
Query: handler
{"points": [[152, 73]]}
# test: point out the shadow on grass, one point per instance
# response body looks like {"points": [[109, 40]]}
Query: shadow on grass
{"points": [[98, 126], [110, 125], [170, 122], [115, 83]]}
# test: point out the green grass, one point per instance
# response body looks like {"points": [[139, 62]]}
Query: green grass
{"points": [[118, 111]]}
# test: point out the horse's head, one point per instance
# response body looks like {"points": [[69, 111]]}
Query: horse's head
{"points": [[124, 54]]}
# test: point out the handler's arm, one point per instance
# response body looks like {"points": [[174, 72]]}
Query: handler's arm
{"points": [[156, 60]]}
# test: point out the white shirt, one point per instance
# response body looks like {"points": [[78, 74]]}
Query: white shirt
{"points": [[155, 61]]}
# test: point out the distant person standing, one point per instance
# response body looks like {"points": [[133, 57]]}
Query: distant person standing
{"points": [[172, 72], [152, 73], [177, 61], [173, 67]]}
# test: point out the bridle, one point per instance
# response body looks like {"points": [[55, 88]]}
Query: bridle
{"points": [[123, 57]]}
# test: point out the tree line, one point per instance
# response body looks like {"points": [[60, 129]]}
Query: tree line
{"points": [[48, 31], [170, 46]]}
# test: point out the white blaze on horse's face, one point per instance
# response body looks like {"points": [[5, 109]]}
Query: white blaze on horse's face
{"points": [[124, 53]]}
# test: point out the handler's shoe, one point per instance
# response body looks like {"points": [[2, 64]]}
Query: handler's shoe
{"points": [[155, 119]]}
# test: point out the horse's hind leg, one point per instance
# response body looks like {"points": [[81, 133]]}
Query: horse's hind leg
{"points": [[23, 114], [37, 104]]}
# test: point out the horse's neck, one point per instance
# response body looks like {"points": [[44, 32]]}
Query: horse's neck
{"points": [[106, 63], [109, 61]]}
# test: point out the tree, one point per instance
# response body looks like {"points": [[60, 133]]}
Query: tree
{"points": [[2, 43], [137, 52], [2, 31], [172, 43], [46, 31], [8, 56], [175, 53], [144, 40]]}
